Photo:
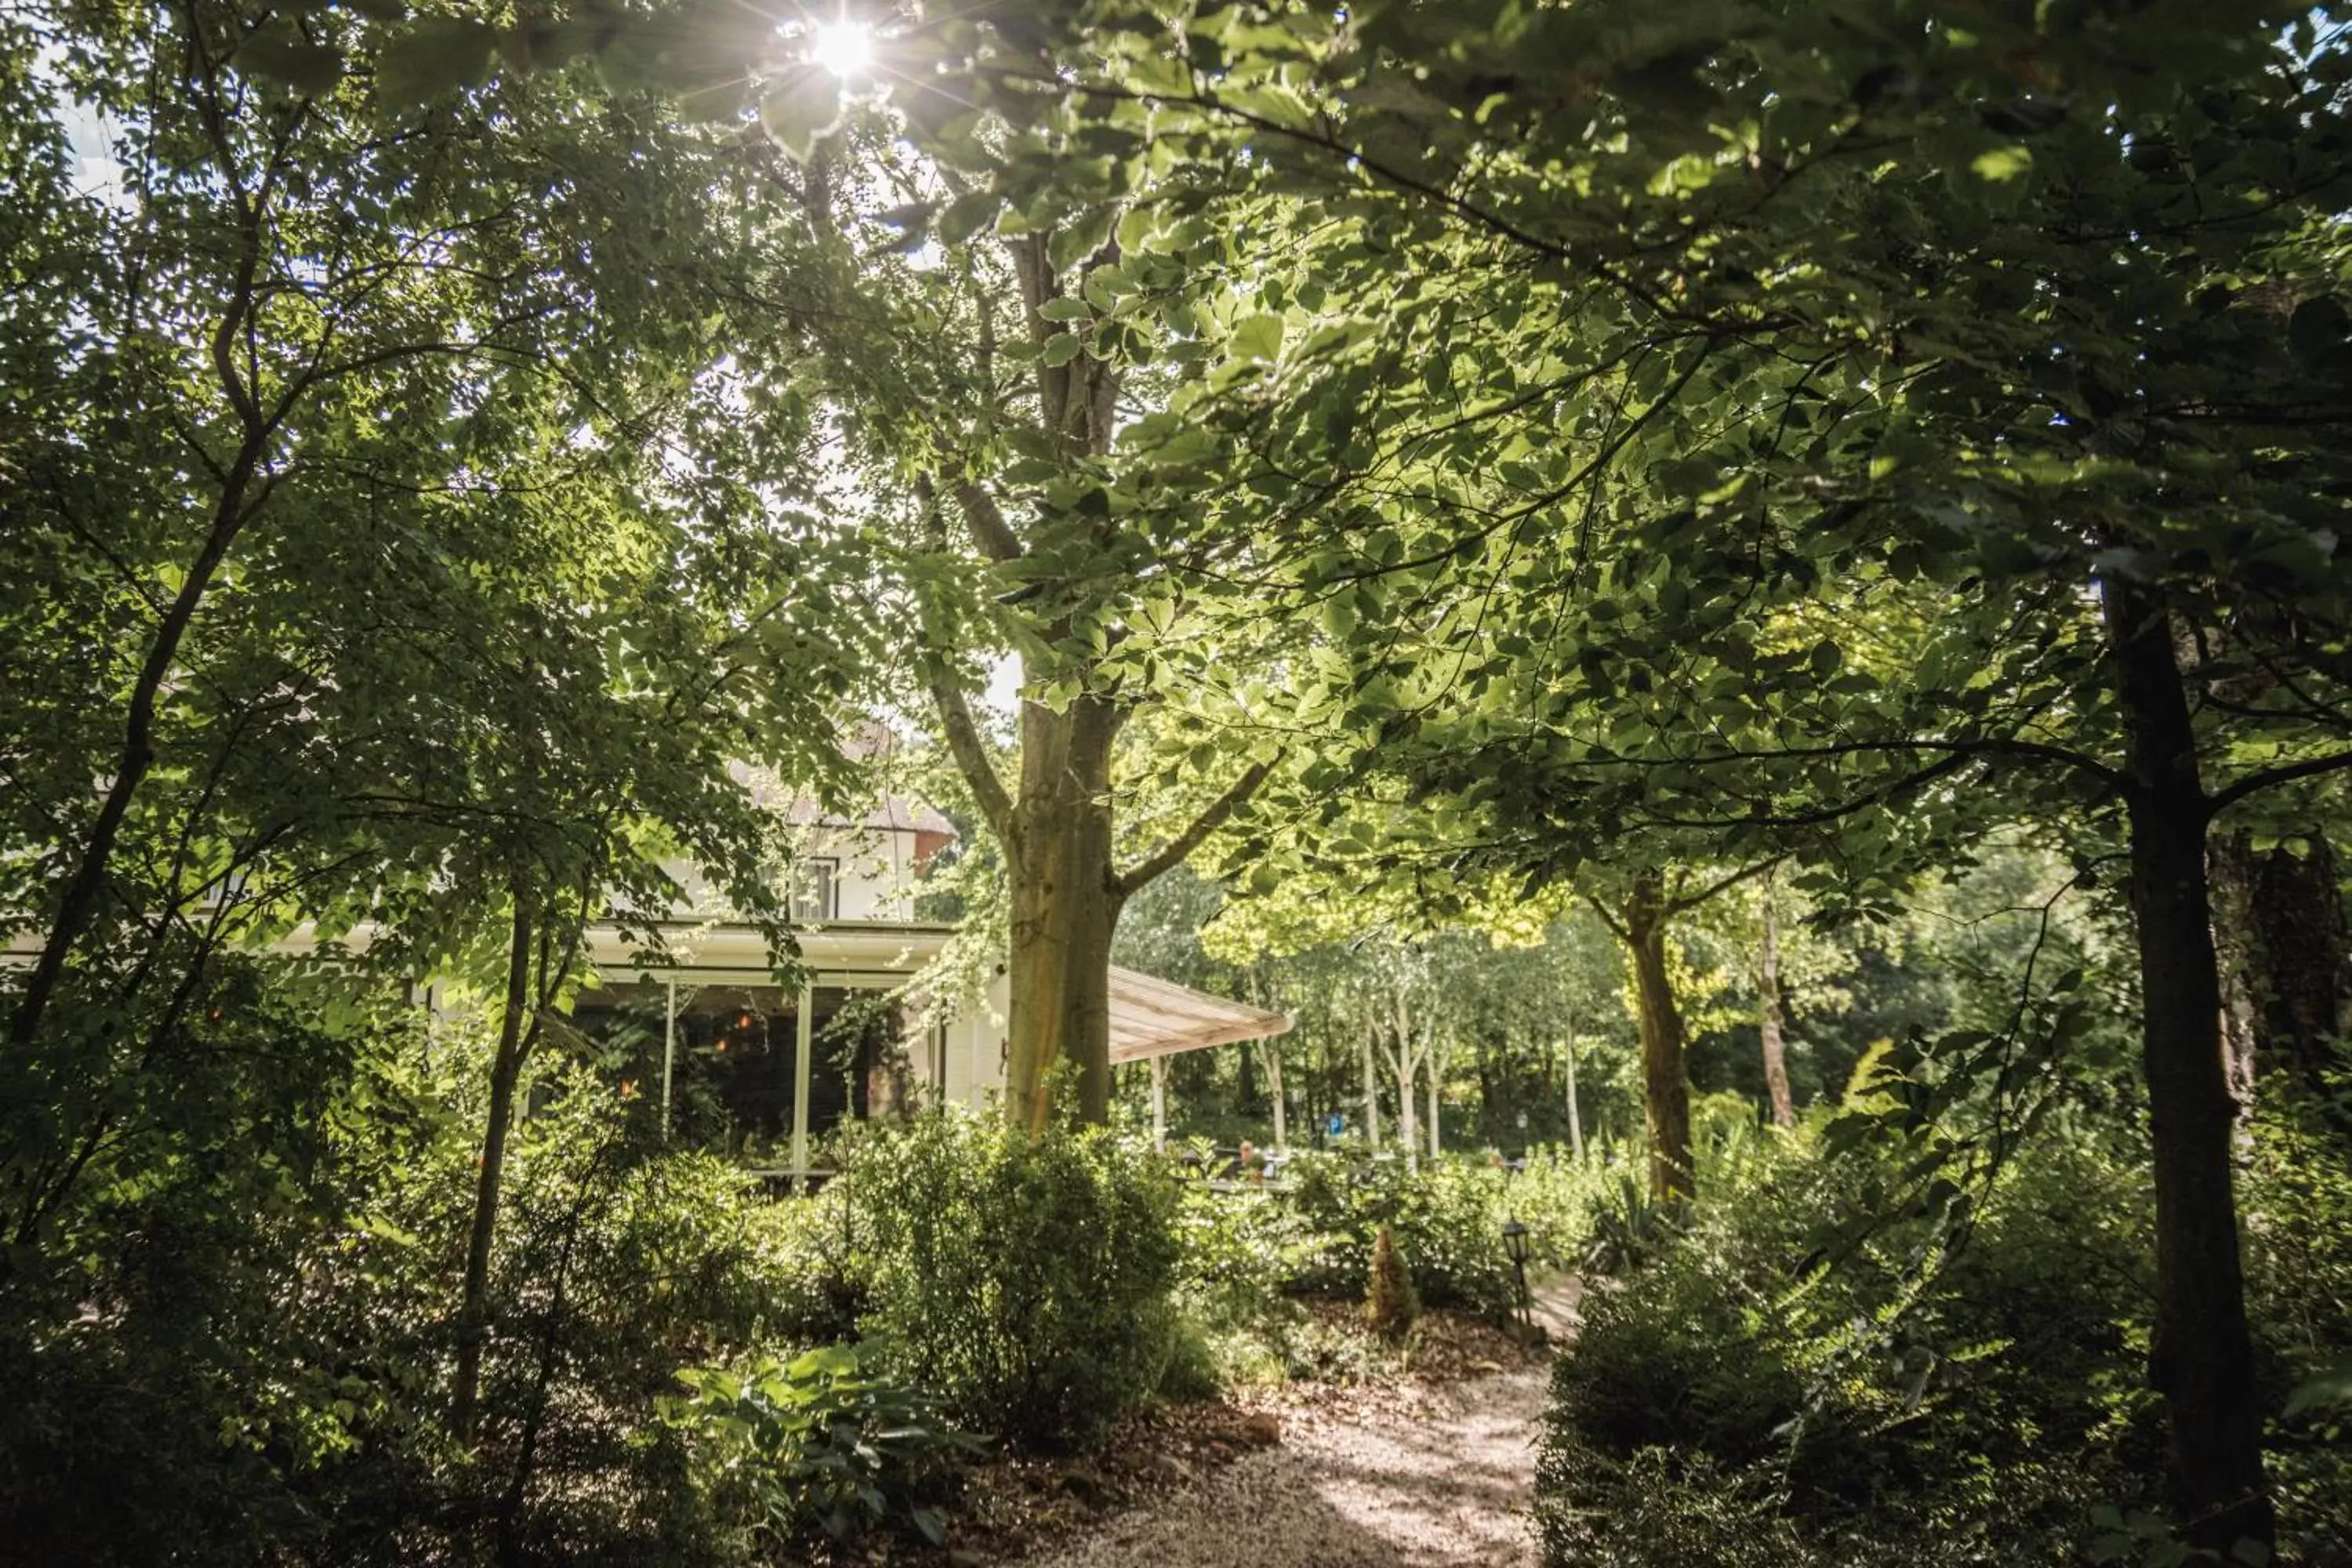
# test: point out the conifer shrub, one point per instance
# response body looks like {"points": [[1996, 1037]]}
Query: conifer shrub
{"points": [[1390, 1304]]}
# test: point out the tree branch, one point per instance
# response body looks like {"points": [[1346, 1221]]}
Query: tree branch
{"points": [[986, 520], [969, 751], [1172, 854], [1616, 927], [1692, 901], [2310, 767]]}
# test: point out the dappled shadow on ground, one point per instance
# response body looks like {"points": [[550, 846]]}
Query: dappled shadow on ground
{"points": [[1443, 1488]]}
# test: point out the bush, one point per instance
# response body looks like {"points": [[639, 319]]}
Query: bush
{"points": [[1447, 1219], [819, 1442], [1781, 1386], [1024, 1281], [268, 1378], [620, 1261]]}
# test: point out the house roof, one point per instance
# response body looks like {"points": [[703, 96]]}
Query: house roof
{"points": [[1154, 1018], [886, 814]]}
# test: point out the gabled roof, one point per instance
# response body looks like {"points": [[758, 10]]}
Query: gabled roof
{"points": [[886, 814], [1154, 1018]]}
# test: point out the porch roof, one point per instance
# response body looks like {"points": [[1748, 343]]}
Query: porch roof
{"points": [[1155, 1017]]}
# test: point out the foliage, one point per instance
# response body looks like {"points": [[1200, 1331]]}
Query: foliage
{"points": [[1022, 1280], [816, 1443], [272, 1358], [1446, 1220], [1628, 1228], [1977, 1393]]}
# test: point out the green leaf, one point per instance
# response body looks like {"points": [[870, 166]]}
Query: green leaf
{"points": [[1257, 339], [2327, 1389], [2002, 164]]}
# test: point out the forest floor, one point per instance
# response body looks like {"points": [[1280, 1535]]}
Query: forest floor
{"points": [[1426, 1465]]}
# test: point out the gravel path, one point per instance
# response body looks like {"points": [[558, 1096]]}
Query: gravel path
{"points": [[1445, 1485]]}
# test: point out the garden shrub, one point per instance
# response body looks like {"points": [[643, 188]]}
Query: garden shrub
{"points": [[270, 1379], [1023, 1280], [2297, 1198], [620, 1262], [1447, 1218], [820, 1443], [1857, 1385]]}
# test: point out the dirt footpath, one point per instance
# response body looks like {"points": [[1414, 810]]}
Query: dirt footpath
{"points": [[1446, 1485]]}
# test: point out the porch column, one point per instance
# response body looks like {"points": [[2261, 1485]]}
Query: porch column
{"points": [[670, 1046], [803, 1023], [1159, 1103]]}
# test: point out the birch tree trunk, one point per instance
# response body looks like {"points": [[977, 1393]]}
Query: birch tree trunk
{"points": [[1575, 1120], [1274, 1086], [1768, 990], [1408, 1129], [1436, 1119]]}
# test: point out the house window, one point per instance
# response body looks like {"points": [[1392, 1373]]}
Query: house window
{"points": [[816, 893], [227, 889]]}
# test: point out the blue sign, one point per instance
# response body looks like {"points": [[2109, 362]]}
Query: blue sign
{"points": [[1337, 1125]]}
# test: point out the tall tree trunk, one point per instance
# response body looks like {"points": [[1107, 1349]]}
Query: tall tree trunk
{"points": [[2278, 922], [1575, 1118], [1666, 1079], [2201, 1359], [1408, 1130], [1371, 1085], [1436, 1144], [1768, 989], [1274, 1088], [506, 1071], [1065, 890], [2230, 874], [1065, 907]]}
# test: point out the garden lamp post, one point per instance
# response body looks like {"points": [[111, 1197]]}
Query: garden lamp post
{"points": [[1515, 1242]]}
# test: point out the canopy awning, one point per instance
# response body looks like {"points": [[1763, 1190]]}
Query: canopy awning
{"points": [[1154, 1018]]}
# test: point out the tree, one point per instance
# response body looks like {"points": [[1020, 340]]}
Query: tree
{"points": [[1871, 277], [1815, 296], [1640, 921], [1034, 456], [356, 554], [1769, 1015]]}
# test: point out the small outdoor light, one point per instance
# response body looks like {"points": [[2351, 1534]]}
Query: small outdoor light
{"points": [[1515, 1242]]}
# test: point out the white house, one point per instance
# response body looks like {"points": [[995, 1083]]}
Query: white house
{"points": [[767, 1071]]}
